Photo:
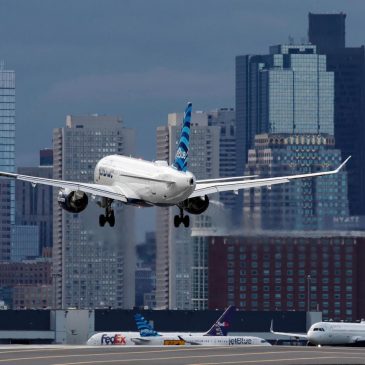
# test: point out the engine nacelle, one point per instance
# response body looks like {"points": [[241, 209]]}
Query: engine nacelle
{"points": [[197, 205], [72, 201]]}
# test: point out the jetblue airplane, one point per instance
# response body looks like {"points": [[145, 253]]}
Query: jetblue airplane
{"points": [[142, 183], [216, 336], [331, 334], [148, 336]]}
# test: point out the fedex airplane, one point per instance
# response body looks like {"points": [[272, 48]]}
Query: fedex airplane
{"points": [[331, 333], [148, 336], [142, 183]]}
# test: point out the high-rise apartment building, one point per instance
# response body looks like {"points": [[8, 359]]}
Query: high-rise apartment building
{"points": [[211, 154], [93, 266], [327, 32], [304, 204], [7, 158]]}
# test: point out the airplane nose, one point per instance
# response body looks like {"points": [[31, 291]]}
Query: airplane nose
{"points": [[312, 337]]}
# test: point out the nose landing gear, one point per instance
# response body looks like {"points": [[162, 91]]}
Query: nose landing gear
{"points": [[109, 214], [178, 219]]}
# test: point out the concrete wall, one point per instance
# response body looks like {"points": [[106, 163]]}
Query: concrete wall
{"points": [[72, 326]]}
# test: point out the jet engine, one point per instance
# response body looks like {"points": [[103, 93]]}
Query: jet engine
{"points": [[72, 201], [197, 205]]}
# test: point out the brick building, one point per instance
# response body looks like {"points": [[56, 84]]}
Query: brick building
{"points": [[26, 284], [296, 271]]}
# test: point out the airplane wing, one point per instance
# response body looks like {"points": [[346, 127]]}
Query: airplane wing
{"points": [[295, 335], [204, 187], [189, 342], [112, 192]]}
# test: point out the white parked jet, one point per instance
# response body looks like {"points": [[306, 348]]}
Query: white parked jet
{"points": [[145, 184], [331, 333]]}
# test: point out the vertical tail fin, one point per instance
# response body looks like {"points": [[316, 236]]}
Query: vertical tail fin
{"points": [[181, 157], [145, 329], [220, 328]]}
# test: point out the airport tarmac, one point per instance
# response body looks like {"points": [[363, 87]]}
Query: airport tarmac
{"points": [[82, 355]]}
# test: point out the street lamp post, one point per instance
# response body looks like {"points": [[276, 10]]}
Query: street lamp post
{"points": [[54, 277], [309, 293]]}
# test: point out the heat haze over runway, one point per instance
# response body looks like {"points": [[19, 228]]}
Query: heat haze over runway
{"points": [[81, 355]]}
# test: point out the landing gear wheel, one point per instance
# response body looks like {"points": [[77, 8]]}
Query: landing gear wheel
{"points": [[111, 219], [177, 221], [102, 220], [109, 214]]}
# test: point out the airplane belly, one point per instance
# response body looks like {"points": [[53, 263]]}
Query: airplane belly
{"points": [[163, 194]]}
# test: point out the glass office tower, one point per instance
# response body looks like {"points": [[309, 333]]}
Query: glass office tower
{"points": [[287, 91], [7, 158], [327, 32]]}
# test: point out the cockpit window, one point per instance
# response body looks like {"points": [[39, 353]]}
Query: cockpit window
{"points": [[318, 329]]}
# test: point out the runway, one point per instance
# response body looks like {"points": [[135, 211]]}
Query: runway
{"points": [[82, 355]]}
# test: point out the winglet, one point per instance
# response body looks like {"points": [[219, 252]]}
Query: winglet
{"points": [[272, 326], [182, 152], [342, 165]]}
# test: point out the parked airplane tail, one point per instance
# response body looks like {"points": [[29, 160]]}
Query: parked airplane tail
{"points": [[144, 327], [181, 157], [220, 328]]}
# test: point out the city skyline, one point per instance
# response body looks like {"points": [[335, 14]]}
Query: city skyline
{"points": [[64, 62], [140, 84]]}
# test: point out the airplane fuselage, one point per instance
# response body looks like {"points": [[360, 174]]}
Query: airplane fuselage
{"points": [[337, 333], [166, 339], [148, 183], [226, 341]]}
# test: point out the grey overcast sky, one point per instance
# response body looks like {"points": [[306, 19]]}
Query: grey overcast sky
{"points": [[140, 59]]}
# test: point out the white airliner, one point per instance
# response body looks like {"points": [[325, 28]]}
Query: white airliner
{"points": [[145, 184], [215, 336], [224, 341], [331, 333], [148, 336]]}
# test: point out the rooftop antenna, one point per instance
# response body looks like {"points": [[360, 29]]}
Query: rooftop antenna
{"points": [[291, 40], [2, 65]]}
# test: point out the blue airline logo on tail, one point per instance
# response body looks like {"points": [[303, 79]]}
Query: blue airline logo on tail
{"points": [[145, 329], [181, 157]]}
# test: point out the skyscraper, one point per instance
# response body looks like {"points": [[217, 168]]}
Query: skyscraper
{"points": [[306, 204], [286, 91], [327, 32], [7, 158], [211, 155], [93, 266]]}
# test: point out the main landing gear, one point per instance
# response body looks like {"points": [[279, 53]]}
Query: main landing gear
{"points": [[178, 219], [109, 214]]}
